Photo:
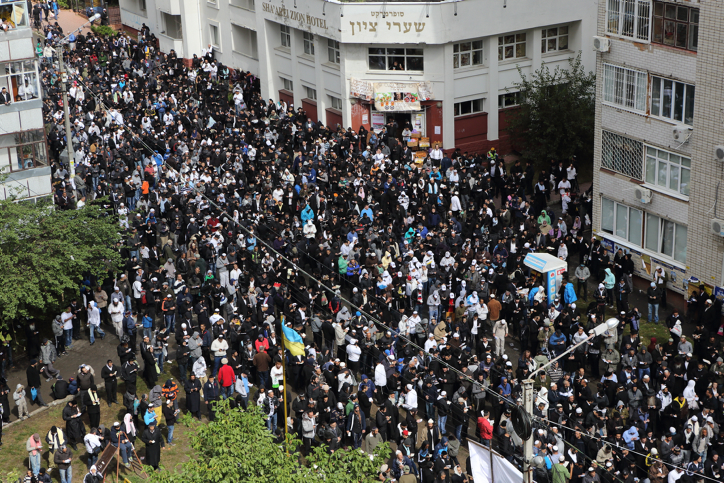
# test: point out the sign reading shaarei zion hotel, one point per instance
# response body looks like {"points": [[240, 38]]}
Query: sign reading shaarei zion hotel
{"points": [[295, 16]]}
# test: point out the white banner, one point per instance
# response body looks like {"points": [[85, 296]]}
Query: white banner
{"points": [[503, 469]]}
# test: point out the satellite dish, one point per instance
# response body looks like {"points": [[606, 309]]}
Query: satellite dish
{"points": [[522, 423]]}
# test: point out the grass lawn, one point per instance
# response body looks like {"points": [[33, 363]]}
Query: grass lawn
{"points": [[15, 458]]}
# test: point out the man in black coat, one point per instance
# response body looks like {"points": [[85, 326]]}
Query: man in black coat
{"points": [[35, 381]]}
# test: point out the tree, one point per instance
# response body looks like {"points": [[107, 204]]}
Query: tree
{"points": [[45, 254], [557, 113], [238, 447]]}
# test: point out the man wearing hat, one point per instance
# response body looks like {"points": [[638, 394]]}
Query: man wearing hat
{"points": [[219, 347], [119, 439], [154, 442]]}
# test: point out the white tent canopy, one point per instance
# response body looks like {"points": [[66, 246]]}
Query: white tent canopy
{"points": [[543, 262]]}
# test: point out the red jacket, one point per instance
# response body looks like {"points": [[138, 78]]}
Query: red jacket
{"points": [[484, 428], [226, 376]]}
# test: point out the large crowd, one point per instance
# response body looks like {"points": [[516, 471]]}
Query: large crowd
{"points": [[404, 276]]}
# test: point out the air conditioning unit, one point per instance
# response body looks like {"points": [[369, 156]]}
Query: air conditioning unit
{"points": [[717, 227], [601, 44], [643, 195], [719, 152], [681, 133]]}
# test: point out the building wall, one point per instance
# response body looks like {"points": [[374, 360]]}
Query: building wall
{"points": [[15, 45], [434, 27], [705, 252]]}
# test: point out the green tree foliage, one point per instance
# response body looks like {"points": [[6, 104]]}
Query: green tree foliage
{"points": [[44, 254], [237, 447], [557, 113]]}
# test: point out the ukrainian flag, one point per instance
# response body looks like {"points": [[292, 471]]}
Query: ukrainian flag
{"points": [[292, 341]]}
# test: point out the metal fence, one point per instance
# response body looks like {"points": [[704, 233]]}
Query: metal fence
{"points": [[622, 154]]}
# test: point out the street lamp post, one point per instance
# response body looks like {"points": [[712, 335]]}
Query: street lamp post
{"points": [[64, 87], [528, 392]]}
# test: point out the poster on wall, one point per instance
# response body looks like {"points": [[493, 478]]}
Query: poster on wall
{"points": [[397, 96], [645, 265], [360, 89], [378, 121]]}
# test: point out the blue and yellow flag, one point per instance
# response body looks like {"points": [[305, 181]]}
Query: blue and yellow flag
{"points": [[292, 341]]}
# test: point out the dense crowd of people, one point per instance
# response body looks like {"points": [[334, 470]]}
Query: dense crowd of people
{"points": [[403, 275]]}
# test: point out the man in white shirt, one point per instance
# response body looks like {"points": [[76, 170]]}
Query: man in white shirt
{"points": [[409, 398], [353, 355], [564, 186], [67, 319]]}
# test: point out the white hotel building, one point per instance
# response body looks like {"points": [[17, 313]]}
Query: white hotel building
{"points": [[462, 57]]}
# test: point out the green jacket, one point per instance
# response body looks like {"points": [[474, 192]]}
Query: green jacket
{"points": [[342, 262]]}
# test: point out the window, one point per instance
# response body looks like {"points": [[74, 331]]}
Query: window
{"points": [[676, 25], [511, 46], [668, 170], [288, 85], [308, 43], [172, 26], [21, 80], [624, 87], [629, 18], [466, 54], [142, 5], [214, 35], [554, 39], [333, 51], [310, 93], [244, 41], [245, 4], [286, 35], [621, 154], [469, 107], [212, 2], [395, 59], [14, 14], [509, 99], [23, 150], [621, 221], [672, 100], [666, 237], [335, 102]]}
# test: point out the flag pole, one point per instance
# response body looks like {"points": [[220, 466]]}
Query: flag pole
{"points": [[284, 387]]}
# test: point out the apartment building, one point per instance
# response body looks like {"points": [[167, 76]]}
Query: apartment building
{"points": [[447, 68], [659, 134], [23, 153]]}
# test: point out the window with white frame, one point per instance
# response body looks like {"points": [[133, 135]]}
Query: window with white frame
{"points": [[14, 14], [668, 170], [672, 100], [21, 80], [308, 43], [286, 35], [333, 51], [244, 41], [621, 221], [172, 26], [469, 107], [622, 154], [310, 93], [509, 99], [624, 87], [395, 59], [666, 237], [466, 54], [287, 84], [335, 102], [629, 18], [214, 39], [245, 4], [554, 39], [23, 150], [511, 46]]}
